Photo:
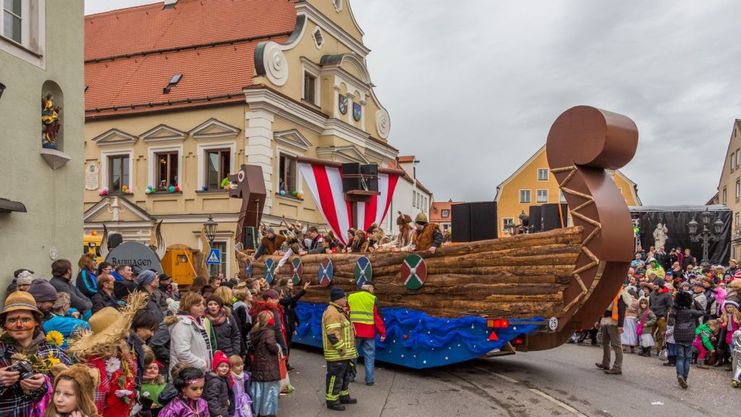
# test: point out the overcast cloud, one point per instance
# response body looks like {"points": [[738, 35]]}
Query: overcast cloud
{"points": [[473, 86]]}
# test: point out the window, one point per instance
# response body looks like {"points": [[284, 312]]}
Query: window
{"points": [[524, 196], [738, 157], [731, 161], [542, 196], [166, 169], [414, 198], [738, 189], [542, 174], [563, 198], [214, 270], [13, 20], [217, 168], [310, 87], [118, 173], [508, 223], [725, 196], [736, 220], [445, 214], [287, 174], [318, 38]]}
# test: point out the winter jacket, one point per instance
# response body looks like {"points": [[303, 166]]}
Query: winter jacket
{"points": [[228, 336], [338, 335], [154, 308], [701, 301], [244, 322], [705, 335], [289, 307], [218, 395], [87, 282], [122, 289], [190, 343], [178, 408], [646, 326], [77, 299], [660, 301], [280, 330], [265, 367], [685, 321], [101, 300], [67, 326], [136, 345]]}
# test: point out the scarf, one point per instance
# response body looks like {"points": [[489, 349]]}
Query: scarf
{"points": [[219, 318]]}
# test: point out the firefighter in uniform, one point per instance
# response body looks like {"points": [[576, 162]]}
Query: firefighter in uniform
{"points": [[338, 339], [365, 318]]}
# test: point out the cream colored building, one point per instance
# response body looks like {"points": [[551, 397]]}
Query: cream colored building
{"points": [[169, 107], [41, 53], [729, 187], [533, 184]]}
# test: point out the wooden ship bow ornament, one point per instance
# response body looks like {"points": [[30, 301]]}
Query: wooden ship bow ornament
{"points": [[524, 292]]}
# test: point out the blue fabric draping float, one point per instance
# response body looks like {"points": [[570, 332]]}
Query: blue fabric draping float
{"points": [[417, 340]]}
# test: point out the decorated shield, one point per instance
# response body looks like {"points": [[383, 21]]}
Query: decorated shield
{"points": [[363, 271], [342, 102], [357, 111], [248, 269], [414, 272], [269, 270], [297, 270], [326, 272]]}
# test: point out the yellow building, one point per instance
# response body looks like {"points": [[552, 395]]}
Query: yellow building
{"points": [[729, 186], [179, 95], [533, 184]]}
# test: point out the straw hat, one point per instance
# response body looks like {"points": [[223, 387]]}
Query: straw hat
{"points": [[21, 301]]}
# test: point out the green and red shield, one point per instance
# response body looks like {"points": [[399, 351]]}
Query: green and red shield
{"points": [[413, 272], [363, 271], [269, 270], [297, 270], [326, 272]]}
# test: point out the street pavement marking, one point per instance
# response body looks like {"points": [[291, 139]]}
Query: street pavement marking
{"points": [[504, 377], [558, 402]]}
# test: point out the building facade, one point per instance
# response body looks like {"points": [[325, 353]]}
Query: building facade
{"points": [[729, 186], [41, 57], [411, 196], [442, 214], [533, 184], [181, 95]]}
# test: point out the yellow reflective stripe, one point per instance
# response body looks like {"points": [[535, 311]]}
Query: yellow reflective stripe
{"points": [[330, 390], [333, 325]]}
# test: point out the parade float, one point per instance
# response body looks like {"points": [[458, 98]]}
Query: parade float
{"points": [[527, 292]]}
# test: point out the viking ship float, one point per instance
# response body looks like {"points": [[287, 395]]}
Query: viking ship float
{"points": [[527, 291]]}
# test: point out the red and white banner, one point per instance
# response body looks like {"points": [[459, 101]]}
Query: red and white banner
{"points": [[325, 184]]}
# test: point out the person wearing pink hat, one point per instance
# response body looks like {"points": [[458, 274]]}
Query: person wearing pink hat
{"points": [[217, 392]]}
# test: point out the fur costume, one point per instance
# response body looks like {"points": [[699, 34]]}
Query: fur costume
{"points": [[423, 240], [272, 245], [406, 231]]}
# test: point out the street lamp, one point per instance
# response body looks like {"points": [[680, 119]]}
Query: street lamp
{"points": [[210, 227], [705, 235]]}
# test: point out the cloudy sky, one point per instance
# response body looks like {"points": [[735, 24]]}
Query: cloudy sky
{"points": [[473, 86]]}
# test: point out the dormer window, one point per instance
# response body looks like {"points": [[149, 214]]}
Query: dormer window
{"points": [[174, 80], [318, 38]]}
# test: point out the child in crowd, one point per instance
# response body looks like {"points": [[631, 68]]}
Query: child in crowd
{"points": [[218, 392], [189, 384], [704, 341], [736, 382], [240, 385], [74, 389], [265, 369], [153, 384], [645, 328]]}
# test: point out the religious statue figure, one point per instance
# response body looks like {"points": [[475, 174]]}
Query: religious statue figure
{"points": [[50, 122], [661, 234]]}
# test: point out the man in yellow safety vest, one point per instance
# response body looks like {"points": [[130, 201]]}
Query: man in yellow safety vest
{"points": [[365, 318]]}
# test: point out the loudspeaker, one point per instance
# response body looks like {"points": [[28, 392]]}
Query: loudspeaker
{"points": [[536, 219], [553, 218], [370, 173], [460, 221], [474, 221], [250, 237], [351, 177]]}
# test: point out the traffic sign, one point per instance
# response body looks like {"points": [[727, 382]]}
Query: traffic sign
{"points": [[214, 257]]}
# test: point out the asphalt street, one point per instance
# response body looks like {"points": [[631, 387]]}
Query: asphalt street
{"points": [[559, 382]]}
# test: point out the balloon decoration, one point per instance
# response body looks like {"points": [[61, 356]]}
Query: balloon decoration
{"points": [[149, 190], [103, 192], [204, 188], [282, 192], [178, 189], [125, 189], [171, 189], [300, 196]]}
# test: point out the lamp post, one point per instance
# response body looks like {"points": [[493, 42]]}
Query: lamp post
{"points": [[705, 235], [210, 227]]}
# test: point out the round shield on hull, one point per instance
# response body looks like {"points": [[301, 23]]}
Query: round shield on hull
{"points": [[413, 272], [269, 270], [363, 271], [297, 271], [326, 272]]}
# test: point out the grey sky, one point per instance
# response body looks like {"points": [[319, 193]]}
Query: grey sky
{"points": [[473, 86]]}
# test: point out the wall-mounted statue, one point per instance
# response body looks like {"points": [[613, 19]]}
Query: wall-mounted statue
{"points": [[50, 122]]}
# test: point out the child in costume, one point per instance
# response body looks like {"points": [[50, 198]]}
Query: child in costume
{"points": [[240, 384], [74, 389], [189, 383], [736, 362], [153, 384], [704, 336]]}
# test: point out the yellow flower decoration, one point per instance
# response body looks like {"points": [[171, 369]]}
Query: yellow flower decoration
{"points": [[52, 360], [55, 338]]}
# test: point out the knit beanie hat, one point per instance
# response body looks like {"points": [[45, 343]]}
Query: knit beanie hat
{"points": [[730, 302], [336, 294], [42, 291], [219, 358], [24, 278], [146, 277], [270, 294]]}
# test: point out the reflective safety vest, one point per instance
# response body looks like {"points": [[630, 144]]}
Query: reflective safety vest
{"points": [[362, 304]]}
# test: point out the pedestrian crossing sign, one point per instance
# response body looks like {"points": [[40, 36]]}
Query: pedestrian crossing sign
{"points": [[214, 257]]}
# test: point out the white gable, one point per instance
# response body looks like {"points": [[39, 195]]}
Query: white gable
{"points": [[114, 137], [213, 128]]}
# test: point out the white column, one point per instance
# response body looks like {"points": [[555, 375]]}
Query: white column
{"points": [[258, 148]]}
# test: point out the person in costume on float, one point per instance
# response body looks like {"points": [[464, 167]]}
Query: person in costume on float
{"points": [[74, 389], [338, 340], [269, 244], [427, 236], [23, 385], [364, 316]]}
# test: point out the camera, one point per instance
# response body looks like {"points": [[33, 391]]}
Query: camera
{"points": [[24, 369]]}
